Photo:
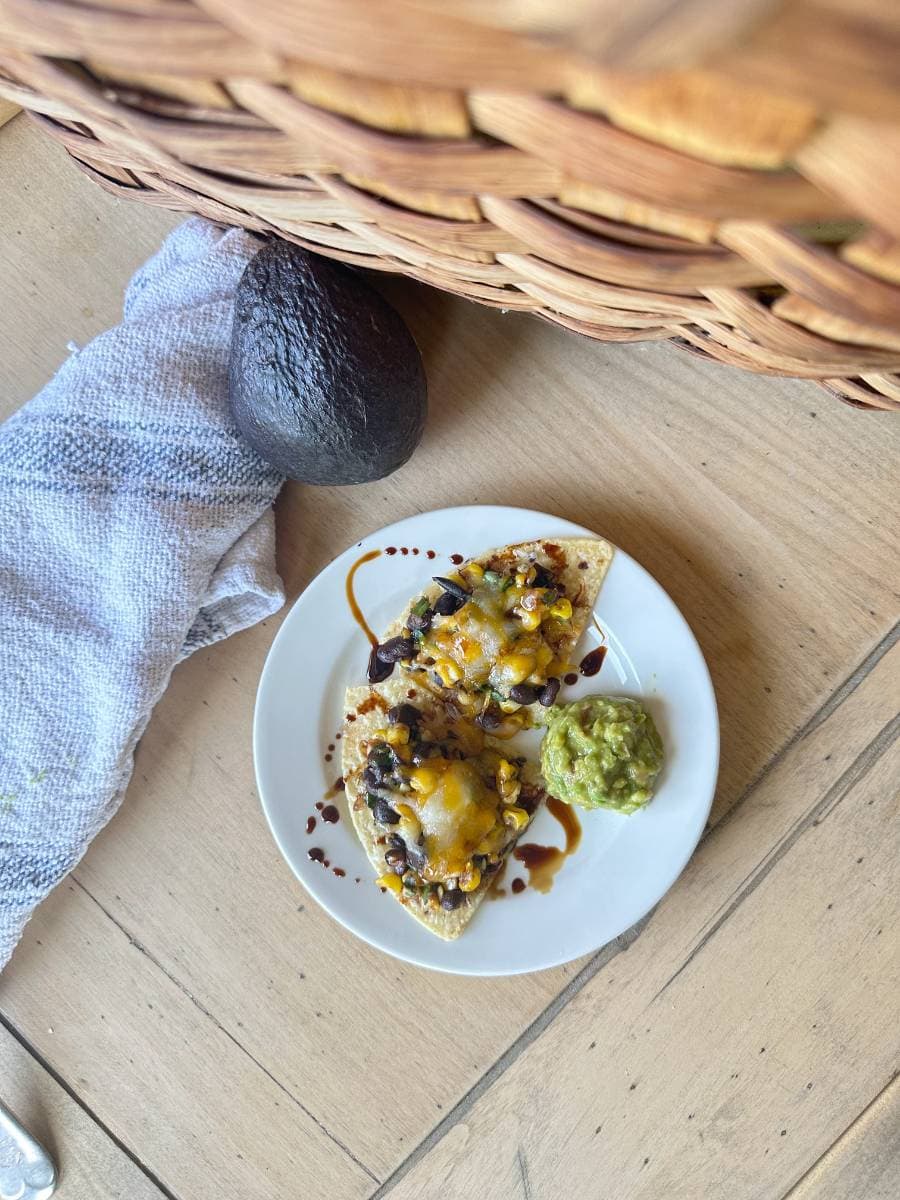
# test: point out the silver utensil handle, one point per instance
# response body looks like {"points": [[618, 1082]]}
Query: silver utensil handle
{"points": [[26, 1170]]}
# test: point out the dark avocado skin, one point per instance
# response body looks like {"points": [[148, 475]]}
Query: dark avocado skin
{"points": [[325, 380]]}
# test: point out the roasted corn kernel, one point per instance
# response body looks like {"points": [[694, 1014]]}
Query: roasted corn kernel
{"points": [[508, 727], [470, 879], [423, 779], [397, 735], [448, 670], [562, 608], [474, 571], [515, 817], [530, 620], [390, 883], [505, 769]]}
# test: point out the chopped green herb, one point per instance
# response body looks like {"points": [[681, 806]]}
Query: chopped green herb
{"points": [[421, 606], [551, 595], [383, 755], [493, 578], [371, 799]]}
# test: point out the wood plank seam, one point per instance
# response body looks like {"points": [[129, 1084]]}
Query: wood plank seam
{"points": [[530, 1034], [596, 964], [797, 1188], [42, 1062], [836, 698], [222, 1029], [862, 764], [857, 771]]}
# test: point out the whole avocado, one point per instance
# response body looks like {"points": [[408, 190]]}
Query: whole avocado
{"points": [[325, 380]]}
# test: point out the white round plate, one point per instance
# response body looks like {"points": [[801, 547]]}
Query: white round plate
{"points": [[624, 865]]}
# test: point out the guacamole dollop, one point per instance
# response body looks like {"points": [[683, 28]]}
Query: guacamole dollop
{"points": [[601, 752]]}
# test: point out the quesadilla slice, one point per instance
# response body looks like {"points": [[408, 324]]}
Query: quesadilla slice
{"points": [[498, 632], [437, 807]]}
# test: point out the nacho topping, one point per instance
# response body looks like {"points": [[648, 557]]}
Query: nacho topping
{"points": [[493, 637], [456, 814], [449, 807], [436, 802]]}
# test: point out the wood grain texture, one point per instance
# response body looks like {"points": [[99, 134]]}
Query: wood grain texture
{"points": [[88, 1162], [864, 1161], [770, 517], [67, 251], [328, 1008], [135, 1042], [723, 1051]]}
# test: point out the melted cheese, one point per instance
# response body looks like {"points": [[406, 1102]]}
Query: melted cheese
{"points": [[476, 636], [458, 814]]}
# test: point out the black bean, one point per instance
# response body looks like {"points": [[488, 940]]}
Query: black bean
{"points": [[417, 858], [382, 755], [373, 776], [549, 692], [397, 649], [417, 621], [378, 670], [422, 751], [454, 588], [452, 898], [489, 719], [448, 604], [542, 577], [404, 714], [396, 859], [529, 798], [384, 814], [523, 693]]}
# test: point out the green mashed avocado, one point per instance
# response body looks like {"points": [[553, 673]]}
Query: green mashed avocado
{"points": [[601, 752]]}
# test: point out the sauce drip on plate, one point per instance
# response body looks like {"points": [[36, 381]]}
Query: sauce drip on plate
{"points": [[351, 598], [542, 862], [592, 661]]}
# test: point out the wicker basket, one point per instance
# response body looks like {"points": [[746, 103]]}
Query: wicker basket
{"points": [[723, 173]]}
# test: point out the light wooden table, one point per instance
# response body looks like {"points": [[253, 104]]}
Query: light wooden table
{"points": [[180, 1019]]}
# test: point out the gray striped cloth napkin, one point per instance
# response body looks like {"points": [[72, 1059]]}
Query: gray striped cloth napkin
{"points": [[135, 527]]}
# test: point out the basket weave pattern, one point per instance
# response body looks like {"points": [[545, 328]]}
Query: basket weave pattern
{"points": [[725, 175]]}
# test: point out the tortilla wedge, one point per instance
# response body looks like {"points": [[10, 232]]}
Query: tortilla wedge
{"points": [[573, 571], [368, 706]]}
